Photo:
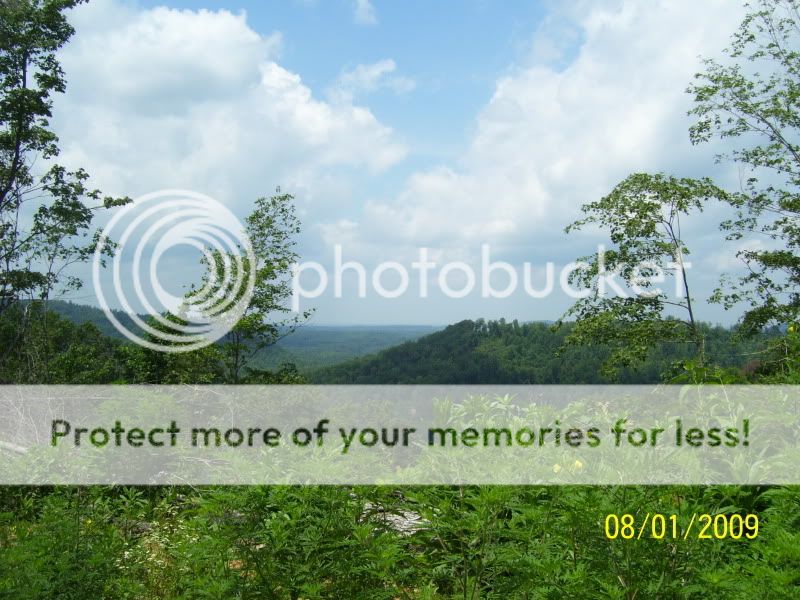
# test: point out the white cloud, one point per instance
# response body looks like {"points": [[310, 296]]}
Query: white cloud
{"points": [[369, 78], [168, 55], [175, 98], [364, 13], [554, 39], [196, 99], [727, 260], [554, 136]]}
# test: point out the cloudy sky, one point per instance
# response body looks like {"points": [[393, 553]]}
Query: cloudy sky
{"points": [[399, 125]]}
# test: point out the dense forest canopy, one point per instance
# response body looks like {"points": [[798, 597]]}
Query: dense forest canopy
{"points": [[502, 352]]}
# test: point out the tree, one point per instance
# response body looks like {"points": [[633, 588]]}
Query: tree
{"points": [[45, 213], [146, 365], [754, 98], [53, 350], [643, 218], [271, 229]]}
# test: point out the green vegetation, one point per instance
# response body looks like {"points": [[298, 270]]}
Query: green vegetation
{"points": [[498, 352], [316, 346], [81, 313], [426, 542], [45, 220], [309, 347], [464, 542], [751, 98], [643, 218], [271, 228]]}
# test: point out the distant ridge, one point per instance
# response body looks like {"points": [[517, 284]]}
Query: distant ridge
{"points": [[82, 313], [500, 352], [309, 347]]}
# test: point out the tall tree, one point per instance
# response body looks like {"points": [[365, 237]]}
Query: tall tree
{"points": [[45, 210], [642, 216], [272, 228], [753, 98]]}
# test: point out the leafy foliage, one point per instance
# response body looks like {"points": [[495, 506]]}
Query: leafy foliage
{"points": [[643, 218], [56, 350], [271, 228], [375, 542], [510, 352], [754, 97], [309, 346], [45, 217]]}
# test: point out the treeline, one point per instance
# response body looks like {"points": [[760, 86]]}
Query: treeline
{"points": [[51, 349], [500, 352], [64, 342], [82, 313], [55, 349], [308, 347], [315, 346]]}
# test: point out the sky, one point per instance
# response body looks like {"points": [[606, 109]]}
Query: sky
{"points": [[399, 125]]}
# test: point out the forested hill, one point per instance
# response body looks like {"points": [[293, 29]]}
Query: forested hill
{"points": [[81, 313], [486, 352], [309, 347], [317, 346]]}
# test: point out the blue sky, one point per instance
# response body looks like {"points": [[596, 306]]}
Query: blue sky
{"points": [[398, 125], [452, 51]]}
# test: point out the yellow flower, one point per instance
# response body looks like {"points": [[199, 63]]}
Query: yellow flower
{"points": [[578, 464], [556, 468]]}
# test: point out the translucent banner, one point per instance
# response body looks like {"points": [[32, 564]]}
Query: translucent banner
{"points": [[542, 435]]}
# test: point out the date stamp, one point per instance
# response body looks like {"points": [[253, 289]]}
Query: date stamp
{"points": [[701, 526]]}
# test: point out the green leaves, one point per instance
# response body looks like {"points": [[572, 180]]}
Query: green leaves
{"points": [[642, 217], [754, 98], [490, 542], [44, 219], [272, 228]]}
